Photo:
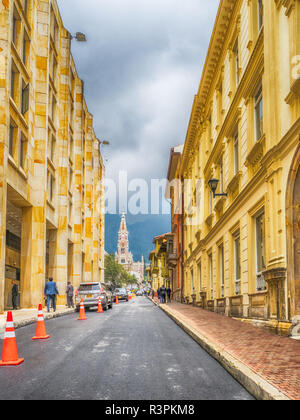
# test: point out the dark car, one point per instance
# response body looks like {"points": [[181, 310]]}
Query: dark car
{"points": [[90, 293], [121, 293]]}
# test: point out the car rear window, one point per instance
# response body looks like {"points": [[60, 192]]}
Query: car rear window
{"points": [[121, 290], [89, 287]]}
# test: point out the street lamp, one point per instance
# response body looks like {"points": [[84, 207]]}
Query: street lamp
{"points": [[213, 185], [79, 36]]}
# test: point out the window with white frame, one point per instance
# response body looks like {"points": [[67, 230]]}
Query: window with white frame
{"points": [[258, 113], [210, 259], [237, 263], [236, 62], [260, 251], [199, 276], [221, 267], [236, 163]]}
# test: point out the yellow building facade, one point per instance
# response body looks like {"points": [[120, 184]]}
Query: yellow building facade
{"points": [[159, 272], [242, 247], [51, 170]]}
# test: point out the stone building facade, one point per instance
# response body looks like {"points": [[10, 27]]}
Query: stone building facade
{"points": [[160, 275], [241, 249], [51, 170]]}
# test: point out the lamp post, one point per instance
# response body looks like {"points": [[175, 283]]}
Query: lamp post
{"points": [[79, 36], [213, 185]]}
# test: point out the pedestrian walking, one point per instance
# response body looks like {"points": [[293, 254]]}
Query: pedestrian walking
{"points": [[152, 294], [70, 295], [14, 295], [51, 292], [169, 292], [158, 293], [162, 294]]}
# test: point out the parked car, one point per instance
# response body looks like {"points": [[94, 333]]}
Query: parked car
{"points": [[90, 293], [121, 293]]}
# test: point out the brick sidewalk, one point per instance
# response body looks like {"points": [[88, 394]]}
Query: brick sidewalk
{"points": [[276, 359]]}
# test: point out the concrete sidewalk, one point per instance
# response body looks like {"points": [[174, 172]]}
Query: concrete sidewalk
{"points": [[24, 317], [267, 365]]}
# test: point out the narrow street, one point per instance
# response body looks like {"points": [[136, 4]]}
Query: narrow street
{"points": [[133, 352]]}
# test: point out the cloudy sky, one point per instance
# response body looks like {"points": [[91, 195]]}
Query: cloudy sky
{"points": [[141, 67]]}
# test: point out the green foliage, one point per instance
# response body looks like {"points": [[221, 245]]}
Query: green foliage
{"points": [[115, 274]]}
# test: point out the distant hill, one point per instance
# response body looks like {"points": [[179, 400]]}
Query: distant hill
{"points": [[142, 230]]}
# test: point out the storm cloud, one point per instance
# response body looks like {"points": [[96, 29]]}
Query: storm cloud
{"points": [[141, 66]]}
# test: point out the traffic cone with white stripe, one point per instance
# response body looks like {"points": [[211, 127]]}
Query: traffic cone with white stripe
{"points": [[40, 326], [100, 309], [82, 316], [10, 351]]}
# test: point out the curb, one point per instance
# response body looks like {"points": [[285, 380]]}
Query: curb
{"points": [[29, 321], [251, 381]]}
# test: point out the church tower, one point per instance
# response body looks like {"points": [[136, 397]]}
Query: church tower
{"points": [[124, 257]]}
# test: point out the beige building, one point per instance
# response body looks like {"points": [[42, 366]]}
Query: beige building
{"points": [[51, 170], [241, 247]]}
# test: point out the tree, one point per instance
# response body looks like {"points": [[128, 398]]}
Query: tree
{"points": [[115, 273], [112, 270]]}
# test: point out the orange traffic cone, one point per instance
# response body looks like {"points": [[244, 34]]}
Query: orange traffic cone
{"points": [[82, 316], [100, 309], [10, 351], [40, 326], [117, 300]]}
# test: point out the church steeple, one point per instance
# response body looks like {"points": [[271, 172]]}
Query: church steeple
{"points": [[124, 256]]}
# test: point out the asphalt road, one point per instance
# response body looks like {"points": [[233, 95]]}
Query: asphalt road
{"points": [[133, 352]]}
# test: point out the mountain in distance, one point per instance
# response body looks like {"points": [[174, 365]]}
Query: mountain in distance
{"points": [[142, 230]]}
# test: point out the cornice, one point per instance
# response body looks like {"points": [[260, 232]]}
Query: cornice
{"points": [[215, 51]]}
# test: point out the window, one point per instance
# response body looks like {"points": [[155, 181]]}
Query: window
{"points": [[221, 265], [199, 276], [237, 263], [26, 7], [25, 98], [221, 170], [12, 138], [210, 201], [260, 251], [258, 114], [25, 48], [23, 151], [51, 185], [16, 28], [51, 150], [123, 251], [14, 82], [260, 13], [211, 276], [236, 164], [236, 61]]}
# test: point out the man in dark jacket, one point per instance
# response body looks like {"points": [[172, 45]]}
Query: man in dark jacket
{"points": [[14, 295], [51, 292], [162, 294], [169, 291], [70, 294]]}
